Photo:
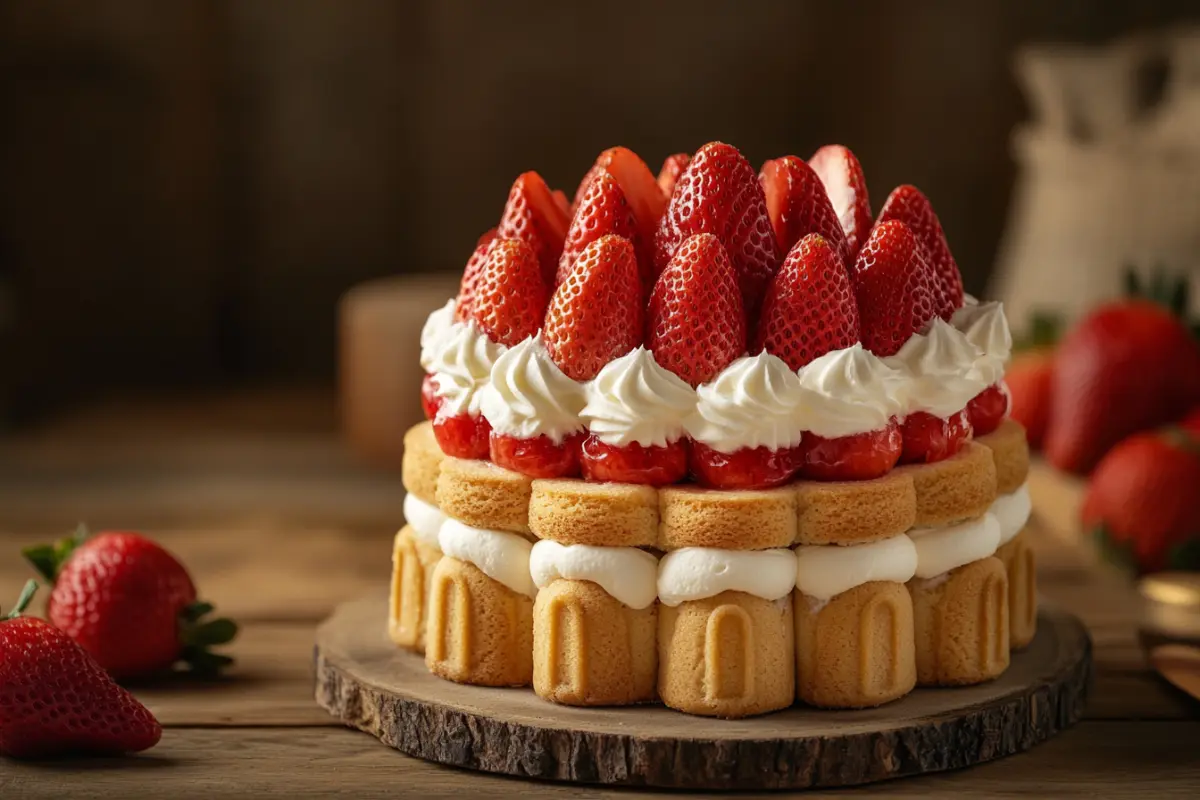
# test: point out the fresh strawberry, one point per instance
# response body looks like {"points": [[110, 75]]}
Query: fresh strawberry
{"points": [[843, 177], [596, 315], [602, 210], [637, 182], [1126, 367], [430, 402], [928, 438], [861, 457], [672, 168], [908, 205], [797, 205], [564, 205], [695, 323], [463, 435], [470, 277], [55, 699], [1141, 501], [1191, 422], [986, 410], [719, 194], [809, 309], [533, 216], [538, 457], [633, 463], [893, 285], [747, 468], [1029, 378], [130, 604], [510, 293]]}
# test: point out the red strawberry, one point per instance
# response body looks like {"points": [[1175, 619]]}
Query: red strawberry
{"points": [[843, 177], [1191, 422], [532, 215], [595, 316], [55, 699], [696, 325], [462, 435], [987, 409], [672, 168], [809, 309], [860, 457], [538, 457], [470, 277], [908, 205], [746, 468], [1126, 367], [893, 285], [1141, 501], [636, 181], [430, 402], [928, 438], [719, 194], [602, 210], [564, 205], [1029, 379], [633, 463], [130, 604], [510, 293], [797, 205]]}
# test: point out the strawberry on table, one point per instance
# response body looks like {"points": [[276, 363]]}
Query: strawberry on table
{"points": [[798, 205], [719, 194], [695, 322], [602, 210], [672, 168], [1029, 378], [596, 314], [130, 604], [906, 204], [533, 216], [1141, 502], [637, 183], [846, 187], [55, 699]]}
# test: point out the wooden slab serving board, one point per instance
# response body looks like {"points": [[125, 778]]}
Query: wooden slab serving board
{"points": [[364, 680]]}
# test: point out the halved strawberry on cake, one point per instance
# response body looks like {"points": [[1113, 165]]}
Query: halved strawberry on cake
{"points": [[842, 176], [896, 289]]}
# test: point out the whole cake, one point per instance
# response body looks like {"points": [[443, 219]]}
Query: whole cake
{"points": [[718, 439]]}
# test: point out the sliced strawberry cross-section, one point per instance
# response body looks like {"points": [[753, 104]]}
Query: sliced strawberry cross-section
{"points": [[846, 186], [695, 324], [596, 315], [810, 308], [908, 205], [719, 194], [893, 284], [602, 210], [510, 293], [533, 216], [798, 205], [637, 182]]}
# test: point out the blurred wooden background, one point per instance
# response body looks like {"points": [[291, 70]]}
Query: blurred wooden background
{"points": [[186, 188]]}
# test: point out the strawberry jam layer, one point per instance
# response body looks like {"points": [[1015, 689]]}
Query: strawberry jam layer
{"points": [[928, 438], [747, 468], [988, 409], [538, 457], [861, 457], [633, 463], [462, 435]]}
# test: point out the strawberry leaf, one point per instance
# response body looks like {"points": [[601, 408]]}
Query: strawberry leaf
{"points": [[1119, 554], [198, 634], [48, 559]]}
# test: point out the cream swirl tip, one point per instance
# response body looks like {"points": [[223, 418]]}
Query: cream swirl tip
{"points": [[462, 367], [938, 371], [752, 403], [986, 327], [529, 396], [437, 328], [635, 401], [847, 392]]}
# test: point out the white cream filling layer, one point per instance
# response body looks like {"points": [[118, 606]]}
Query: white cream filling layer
{"points": [[502, 556], [825, 571], [696, 573], [1012, 512], [626, 573], [425, 519], [940, 550]]}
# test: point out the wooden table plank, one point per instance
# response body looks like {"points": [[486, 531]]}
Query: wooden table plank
{"points": [[1094, 759]]}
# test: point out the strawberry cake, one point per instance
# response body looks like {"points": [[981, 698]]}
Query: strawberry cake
{"points": [[716, 438]]}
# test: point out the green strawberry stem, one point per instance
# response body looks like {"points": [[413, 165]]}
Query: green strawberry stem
{"points": [[1172, 291], [48, 559], [1045, 329], [27, 593], [198, 634]]}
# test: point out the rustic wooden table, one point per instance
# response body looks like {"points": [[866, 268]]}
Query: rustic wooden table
{"points": [[278, 524]]}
